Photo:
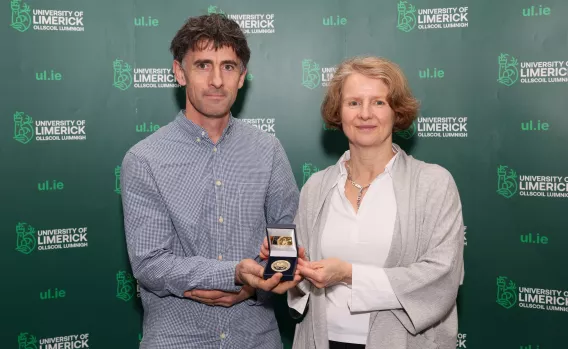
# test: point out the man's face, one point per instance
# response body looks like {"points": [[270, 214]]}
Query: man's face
{"points": [[212, 79]]}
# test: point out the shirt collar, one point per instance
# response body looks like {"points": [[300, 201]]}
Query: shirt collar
{"points": [[347, 155], [197, 131]]}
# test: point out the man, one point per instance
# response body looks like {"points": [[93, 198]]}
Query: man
{"points": [[197, 195]]}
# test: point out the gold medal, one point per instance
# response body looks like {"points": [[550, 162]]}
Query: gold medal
{"points": [[280, 265]]}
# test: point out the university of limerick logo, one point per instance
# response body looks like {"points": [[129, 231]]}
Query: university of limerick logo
{"points": [[506, 181], [406, 16], [506, 292], [117, 180], [408, 133], [27, 341], [310, 74], [308, 170], [125, 286], [26, 239], [122, 74], [214, 9], [21, 18], [23, 127], [508, 72]]}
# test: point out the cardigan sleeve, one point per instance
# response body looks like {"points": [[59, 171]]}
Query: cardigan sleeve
{"points": [[298, 296], [427, 288]]}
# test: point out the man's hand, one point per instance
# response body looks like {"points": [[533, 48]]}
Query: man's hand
{"points": [[220, 298], [249, 272]]}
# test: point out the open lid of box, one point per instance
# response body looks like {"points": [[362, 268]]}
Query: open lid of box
{"points": [[282, 240]]}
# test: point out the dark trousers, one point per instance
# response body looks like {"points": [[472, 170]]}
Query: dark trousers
{"points": [[340, 345]]}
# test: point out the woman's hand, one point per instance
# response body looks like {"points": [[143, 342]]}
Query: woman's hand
{"points": [[326, 272]]}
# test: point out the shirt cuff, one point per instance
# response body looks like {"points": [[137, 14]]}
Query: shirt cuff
{"points": [[371, 290], [225, 277], [298, 297]]}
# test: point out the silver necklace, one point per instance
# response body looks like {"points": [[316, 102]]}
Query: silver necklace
{"points": [[358, 186]]}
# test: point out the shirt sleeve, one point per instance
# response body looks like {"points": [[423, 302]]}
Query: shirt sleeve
{"points": [[371, 290], [283, 195], [149, 237]]}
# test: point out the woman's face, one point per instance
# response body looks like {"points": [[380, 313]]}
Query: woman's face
{"points": [[366, 117]]}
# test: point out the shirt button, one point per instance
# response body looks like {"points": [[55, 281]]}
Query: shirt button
{"points": [[218, 183], [214, 149], [198, 139], [223, 336], [220, 257], [203, 133], [221, 219]]}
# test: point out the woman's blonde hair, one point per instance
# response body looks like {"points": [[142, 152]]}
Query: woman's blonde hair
{"points": [[399, 97]]}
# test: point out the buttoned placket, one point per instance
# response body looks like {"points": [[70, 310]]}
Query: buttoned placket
{"points": [[218, 188], [220, 231], [221, 224]]}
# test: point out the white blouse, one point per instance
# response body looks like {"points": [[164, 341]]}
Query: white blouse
{"points": [[363, 239]]}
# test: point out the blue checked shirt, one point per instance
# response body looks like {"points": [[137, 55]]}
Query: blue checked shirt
{"points": [[192, 211]]}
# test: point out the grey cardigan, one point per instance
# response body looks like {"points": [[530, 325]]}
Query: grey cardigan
{"points": [[424, 264]]}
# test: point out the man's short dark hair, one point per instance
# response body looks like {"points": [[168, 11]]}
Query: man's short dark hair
{"points": [[198, 33]]}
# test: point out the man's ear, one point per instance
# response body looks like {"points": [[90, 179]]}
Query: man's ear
{"points": [[242, 78], [179, 73]]}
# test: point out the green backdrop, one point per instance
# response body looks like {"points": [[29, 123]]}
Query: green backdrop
{"points": [[86, 80]]}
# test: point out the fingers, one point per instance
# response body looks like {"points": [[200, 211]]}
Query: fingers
{"points": [[210, 294], [286, 285], [308, 272], [270, 284], [220, 298], [202, 300], [226, 301], [247, 271], [313, 276], [313, 265], [302, 253], [264, 252], [316, 283], [254, 268]]}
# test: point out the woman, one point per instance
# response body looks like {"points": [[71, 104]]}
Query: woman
{"points": [[382, 230]]}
